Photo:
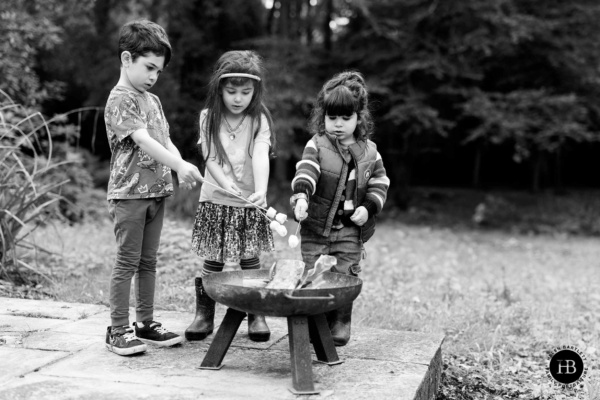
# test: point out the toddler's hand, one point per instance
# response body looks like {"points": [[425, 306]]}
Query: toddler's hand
{"points": [[258, 198], [300, 209], [360, 216]]}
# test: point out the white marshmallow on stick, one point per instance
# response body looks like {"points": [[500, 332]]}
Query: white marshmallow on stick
{"points": [[281, 218], [282, 230], [274, 225], [271, 212], [293, 241]]}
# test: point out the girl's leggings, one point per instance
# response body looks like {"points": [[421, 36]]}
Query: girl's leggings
{"points": [[215, 266]]}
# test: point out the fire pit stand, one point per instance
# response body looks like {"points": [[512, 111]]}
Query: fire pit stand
{"points": [[304, 309], [301, 329]]}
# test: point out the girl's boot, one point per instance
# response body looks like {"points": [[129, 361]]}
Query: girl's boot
{"points": [[203, 323], [258, 331], [340, 325]]}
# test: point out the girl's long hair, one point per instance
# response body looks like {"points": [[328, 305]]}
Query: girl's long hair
{"points": [[247, 62], [344, 94]]}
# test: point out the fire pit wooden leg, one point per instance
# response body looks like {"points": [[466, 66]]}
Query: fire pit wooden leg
{"points": [[220, 344], [322, 340], [302, 376]]}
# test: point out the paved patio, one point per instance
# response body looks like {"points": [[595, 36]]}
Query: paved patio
{"points": [[55, 350]]}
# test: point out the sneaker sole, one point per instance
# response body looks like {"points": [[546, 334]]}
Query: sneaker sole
{"points": [[127, 351], [163, 343]]}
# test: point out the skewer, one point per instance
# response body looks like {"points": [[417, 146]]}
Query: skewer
{"points": [[261, 209]]}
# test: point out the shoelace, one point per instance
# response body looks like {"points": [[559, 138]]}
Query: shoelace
{"points": [[160, 329], [129, 336]]}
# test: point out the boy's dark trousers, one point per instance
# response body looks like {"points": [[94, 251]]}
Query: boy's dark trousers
{"points": [[137, 224]]}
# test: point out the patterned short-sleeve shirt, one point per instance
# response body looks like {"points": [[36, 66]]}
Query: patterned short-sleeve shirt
{"points": [[133, 173]]}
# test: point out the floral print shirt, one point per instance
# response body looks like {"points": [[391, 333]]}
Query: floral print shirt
{"points": [[133, 173]]}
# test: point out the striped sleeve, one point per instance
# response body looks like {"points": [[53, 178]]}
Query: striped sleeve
{"points": [[308, 170], [377, 187]]}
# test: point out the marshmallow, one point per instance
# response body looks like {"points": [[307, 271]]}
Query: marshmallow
{"points": [[281, 230], [274, 225], [281, 218], [271, 212], [293, 241]]}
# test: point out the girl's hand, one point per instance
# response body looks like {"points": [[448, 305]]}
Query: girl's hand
{"points": [[258, 198], [300, 209], [360, 216], [232, 187]]}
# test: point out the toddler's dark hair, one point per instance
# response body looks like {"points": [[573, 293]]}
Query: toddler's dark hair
{"points": [[142, 37], [344, 94]]}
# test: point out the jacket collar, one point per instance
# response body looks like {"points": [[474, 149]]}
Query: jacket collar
{"points": [[357, 150]]}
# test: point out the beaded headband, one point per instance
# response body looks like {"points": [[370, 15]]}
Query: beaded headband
{"points": [[240, 75]]}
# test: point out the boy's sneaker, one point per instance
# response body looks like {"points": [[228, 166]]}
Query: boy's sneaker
{"points": [[122, 341], [153, 332]]}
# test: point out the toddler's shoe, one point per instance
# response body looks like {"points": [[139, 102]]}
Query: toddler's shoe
{"points": [[122, 341], [154, 333]]}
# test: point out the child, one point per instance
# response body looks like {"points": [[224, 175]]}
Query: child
{"points": [[235, 139], [140, 179], [340, 184]]}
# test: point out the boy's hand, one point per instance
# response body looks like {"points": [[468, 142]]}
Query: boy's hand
{"points": [[300, 209], [188, 174], [360, 216], [258, 198]]}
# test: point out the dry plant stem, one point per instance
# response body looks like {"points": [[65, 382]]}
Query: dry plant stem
{"points": [[261, 209]]}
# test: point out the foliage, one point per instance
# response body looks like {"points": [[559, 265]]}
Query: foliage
{"points": [[42, 179], [28, 191], [488, 72], [24, 34]]}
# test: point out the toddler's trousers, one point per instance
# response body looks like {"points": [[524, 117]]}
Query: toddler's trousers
{"points": [[344, 244]]}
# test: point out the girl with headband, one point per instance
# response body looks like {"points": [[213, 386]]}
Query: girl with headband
{"points": [[236, 140]]}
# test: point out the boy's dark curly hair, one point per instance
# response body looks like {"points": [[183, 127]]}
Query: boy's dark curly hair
{"points": [[142, 37], [344, 94]]}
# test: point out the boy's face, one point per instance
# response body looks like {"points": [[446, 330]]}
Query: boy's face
{"points": [[342, 127], [143, 73], [237, 98]]}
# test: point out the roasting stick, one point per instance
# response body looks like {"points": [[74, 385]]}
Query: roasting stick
{"points": [[261, 209]]}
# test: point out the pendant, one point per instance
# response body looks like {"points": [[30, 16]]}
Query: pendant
{"points": [[232, 137]]}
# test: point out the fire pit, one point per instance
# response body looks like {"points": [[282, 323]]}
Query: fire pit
{"points": [[304, 309]]}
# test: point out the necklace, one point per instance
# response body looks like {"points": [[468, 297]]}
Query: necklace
{"points": [[232, 131]]}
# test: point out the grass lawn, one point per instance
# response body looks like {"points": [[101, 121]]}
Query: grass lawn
{"points": [[504, 296]]}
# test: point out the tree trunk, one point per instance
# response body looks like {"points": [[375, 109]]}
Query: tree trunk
{"points": [[271, 21], [558, 182], [537, 164], [308, 27], [284, 18], [326, 21], [476, 182]]}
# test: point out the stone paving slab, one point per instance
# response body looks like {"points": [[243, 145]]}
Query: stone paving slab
{"points": [[48, 309], [19, 361], [53, 350]]}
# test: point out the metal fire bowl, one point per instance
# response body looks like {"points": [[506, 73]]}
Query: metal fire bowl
{"points": [[227, 288]]}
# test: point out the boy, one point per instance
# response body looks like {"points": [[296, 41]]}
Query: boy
{"points": [[140, 180]]}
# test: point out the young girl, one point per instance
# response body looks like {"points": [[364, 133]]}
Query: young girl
{"points": [[235, 141], [340, 184]]}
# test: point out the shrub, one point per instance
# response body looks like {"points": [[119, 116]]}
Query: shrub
{"points": [[31, 179]]}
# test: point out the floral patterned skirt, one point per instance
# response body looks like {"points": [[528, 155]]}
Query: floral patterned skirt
{"points": [[228, 234]]}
